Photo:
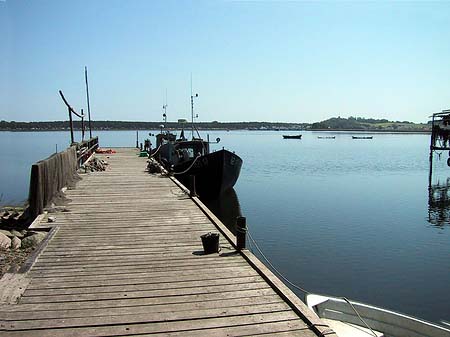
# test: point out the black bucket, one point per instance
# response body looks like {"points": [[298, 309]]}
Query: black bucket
{"points": [[210, 243]]}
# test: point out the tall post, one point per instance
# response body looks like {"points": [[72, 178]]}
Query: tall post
{"points": [[241, 232], [432, 143], [71, 126], [87, 98], [82, 125], [192, 192], [192, 115]]}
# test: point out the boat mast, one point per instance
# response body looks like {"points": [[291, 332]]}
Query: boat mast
{"points": [[87, 98], [165, 110], [192, 109]]}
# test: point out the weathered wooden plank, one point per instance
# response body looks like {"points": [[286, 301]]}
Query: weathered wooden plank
{"points": [[166, 278], [116, 273], [117, 244], [152, 238], [169, 274], [111, 270], [244, 294], [293, 328], [87, 289], [151, 224], [221, 288], [133, 260], [138, 309], [184, 249], [124, 258], [150, 254], [124, 318], [123, 265], [248, 325]]}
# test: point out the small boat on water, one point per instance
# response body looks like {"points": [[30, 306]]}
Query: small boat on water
{"points": [[326, 137], [292, 136], [362, 137], [215, 172], [349, 318]]}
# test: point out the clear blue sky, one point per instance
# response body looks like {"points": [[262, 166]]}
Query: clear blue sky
{"points": [[265, 61]]}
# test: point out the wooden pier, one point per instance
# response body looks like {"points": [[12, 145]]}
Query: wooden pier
{"points": [[125, 258]]}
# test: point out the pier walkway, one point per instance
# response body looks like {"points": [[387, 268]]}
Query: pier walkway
{"points": [[125, 258]]}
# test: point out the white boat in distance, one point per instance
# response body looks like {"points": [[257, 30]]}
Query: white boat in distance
{"points": [[355, 319]]}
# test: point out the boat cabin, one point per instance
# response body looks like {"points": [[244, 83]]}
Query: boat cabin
{"points": [[188, 150], [166, 137]]}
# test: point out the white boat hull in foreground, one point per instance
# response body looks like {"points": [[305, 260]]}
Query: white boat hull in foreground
{"points": [[343, 319]]}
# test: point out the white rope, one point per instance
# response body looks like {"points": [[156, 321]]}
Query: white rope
{"points": [[357, 313], [271, 265], [300, 288], [185, 171], [154, 153]]}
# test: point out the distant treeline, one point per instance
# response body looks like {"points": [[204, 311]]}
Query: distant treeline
{"points": [[335, 123], [359, 123], [122, 125]]}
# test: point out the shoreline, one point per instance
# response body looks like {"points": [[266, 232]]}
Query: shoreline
{"points": [[225, 129]]}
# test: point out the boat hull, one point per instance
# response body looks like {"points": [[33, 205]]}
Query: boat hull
{"points": [[292, 137], [214, 173], [383, 322]]}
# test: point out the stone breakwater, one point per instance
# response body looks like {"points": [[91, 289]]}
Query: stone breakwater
{"points": [[16, 242]]}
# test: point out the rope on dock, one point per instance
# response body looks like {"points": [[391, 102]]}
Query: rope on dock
{"points": [[154, 153], [357, 313], [300, 288], [190, 166], [272, 266]]}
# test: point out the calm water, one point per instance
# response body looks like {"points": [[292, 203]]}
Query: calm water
{"points": [[338, 216]]}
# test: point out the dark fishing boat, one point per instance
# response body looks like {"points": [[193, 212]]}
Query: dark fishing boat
{"points": [[215, 172], [292, 136], [365, 137], [226, 208]]}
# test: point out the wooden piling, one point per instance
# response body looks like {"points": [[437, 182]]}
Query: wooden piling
{"points": [[192, 191], [241, 232]]}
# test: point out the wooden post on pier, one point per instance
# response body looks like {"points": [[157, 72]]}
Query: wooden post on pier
{"points": [[72, 140], [193, 192], [82, 125], [241, 232]]}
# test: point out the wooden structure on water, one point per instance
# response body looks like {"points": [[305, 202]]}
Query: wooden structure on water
{"points": [[438, 194], [125, 258], [440, 131]]}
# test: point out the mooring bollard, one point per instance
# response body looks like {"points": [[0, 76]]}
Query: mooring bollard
{"points": [[241, 232], [193, 192]]}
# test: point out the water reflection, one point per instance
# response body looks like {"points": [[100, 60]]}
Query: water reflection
{"points": [[226, 208], [439, 202]]}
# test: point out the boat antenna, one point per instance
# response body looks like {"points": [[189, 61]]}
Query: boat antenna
{"points": [[192, 108], [87, 98], [165, 110]]}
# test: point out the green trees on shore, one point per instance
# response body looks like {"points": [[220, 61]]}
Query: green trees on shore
{"points": [[335, 123]]}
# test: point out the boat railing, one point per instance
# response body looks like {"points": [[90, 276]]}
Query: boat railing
{"points": [[440, 131], [391, 323], [85, 149]]}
